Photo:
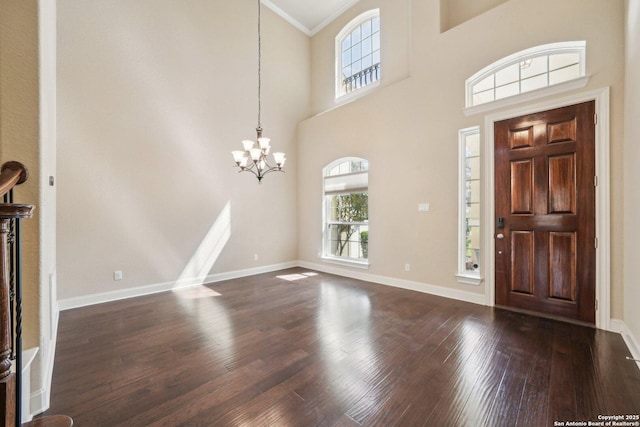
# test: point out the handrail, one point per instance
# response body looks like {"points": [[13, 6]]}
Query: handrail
{"points": [[12, 174]]}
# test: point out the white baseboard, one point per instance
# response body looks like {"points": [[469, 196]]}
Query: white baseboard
{"points": [[28, 356], [472, 297], [632, 342], [41, 399], [83, 301]]}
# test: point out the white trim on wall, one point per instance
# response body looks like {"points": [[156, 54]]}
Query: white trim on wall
{"points": [[603, 201], [441, 291], [83, 301], [525, 97], [632, 342]]}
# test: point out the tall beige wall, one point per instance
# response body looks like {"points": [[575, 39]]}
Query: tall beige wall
{"points": [[408, 130], [152, 97], [20, 133], [632, 171]]}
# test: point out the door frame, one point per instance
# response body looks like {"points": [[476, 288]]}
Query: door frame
{"points": [[603, 201]]}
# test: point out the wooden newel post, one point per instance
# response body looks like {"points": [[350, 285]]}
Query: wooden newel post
{"points": [[8, 400], [7, 379]]}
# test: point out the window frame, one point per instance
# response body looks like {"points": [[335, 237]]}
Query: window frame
{"points": [[326, 212], [463, 275], [547, 50], [341, 95]]}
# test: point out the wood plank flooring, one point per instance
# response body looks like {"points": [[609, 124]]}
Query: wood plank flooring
{"points": [[300, 348]]}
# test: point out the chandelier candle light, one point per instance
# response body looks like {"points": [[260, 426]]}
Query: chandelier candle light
{"points": [[254, 157]]}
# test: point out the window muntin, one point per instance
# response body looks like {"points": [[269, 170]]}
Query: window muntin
{"points": [[526, 71], [346, 210], [358, 53], [469, 240]]}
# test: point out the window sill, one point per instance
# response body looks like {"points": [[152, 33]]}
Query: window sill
{"points": [[358, 93], [347, 262], [469, 279]]}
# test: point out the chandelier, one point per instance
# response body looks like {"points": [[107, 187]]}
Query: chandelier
{"points": [[254, 157]]}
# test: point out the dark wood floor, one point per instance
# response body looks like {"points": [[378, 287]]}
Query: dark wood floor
{"points": [[297, 348]]}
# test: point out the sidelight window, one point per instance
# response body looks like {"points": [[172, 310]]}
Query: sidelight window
{"points": [[346, 211], [469, 206]]}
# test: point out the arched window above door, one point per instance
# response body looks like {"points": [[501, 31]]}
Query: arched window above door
{"points": [[528, 71]]}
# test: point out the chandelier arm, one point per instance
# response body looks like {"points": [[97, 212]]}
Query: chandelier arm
{"points": [[246, 169], [273, 169]]}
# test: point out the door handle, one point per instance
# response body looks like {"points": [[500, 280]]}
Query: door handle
{"points": [[500, 236]]}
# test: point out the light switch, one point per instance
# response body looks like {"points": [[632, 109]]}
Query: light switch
{"points": [[423, 207]]}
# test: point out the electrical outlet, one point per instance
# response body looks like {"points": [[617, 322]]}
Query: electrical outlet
{"points": [[117, 275], [255, 257], [407, 267]]}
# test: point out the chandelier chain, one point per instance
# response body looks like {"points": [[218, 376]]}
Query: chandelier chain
{"points": [[259, 65]]}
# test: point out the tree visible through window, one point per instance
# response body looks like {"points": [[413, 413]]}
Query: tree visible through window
{"points": [[346, 210], [349, 212], [358, 53]]}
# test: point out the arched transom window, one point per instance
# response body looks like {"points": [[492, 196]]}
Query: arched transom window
{"points": [[358, 53], [526, 71]]}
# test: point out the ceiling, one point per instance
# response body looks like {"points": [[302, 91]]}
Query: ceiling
{"points": [[309, 16]]}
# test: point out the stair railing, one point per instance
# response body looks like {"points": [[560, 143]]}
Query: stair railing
{"points": [[11, 174]]}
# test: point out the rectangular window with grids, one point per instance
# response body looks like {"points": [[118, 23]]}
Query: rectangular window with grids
{"points": [[346, 211], [469, 206]]}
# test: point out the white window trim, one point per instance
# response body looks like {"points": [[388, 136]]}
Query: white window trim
{"points": [[348, 262], [578, 47], [344, 261], [523, 98], [344, 97], [358, 93], [469, 279], [463, 275]]}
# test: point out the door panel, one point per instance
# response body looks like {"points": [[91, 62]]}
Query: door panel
{"points": [[545, 253], [522, 262], [562, 184], [562, 254], [522, 186]]}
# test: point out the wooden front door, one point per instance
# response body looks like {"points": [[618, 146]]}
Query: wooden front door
{"points": [[545, 212]]}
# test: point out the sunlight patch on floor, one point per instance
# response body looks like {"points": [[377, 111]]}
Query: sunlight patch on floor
{"points": [[196, 292]]}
